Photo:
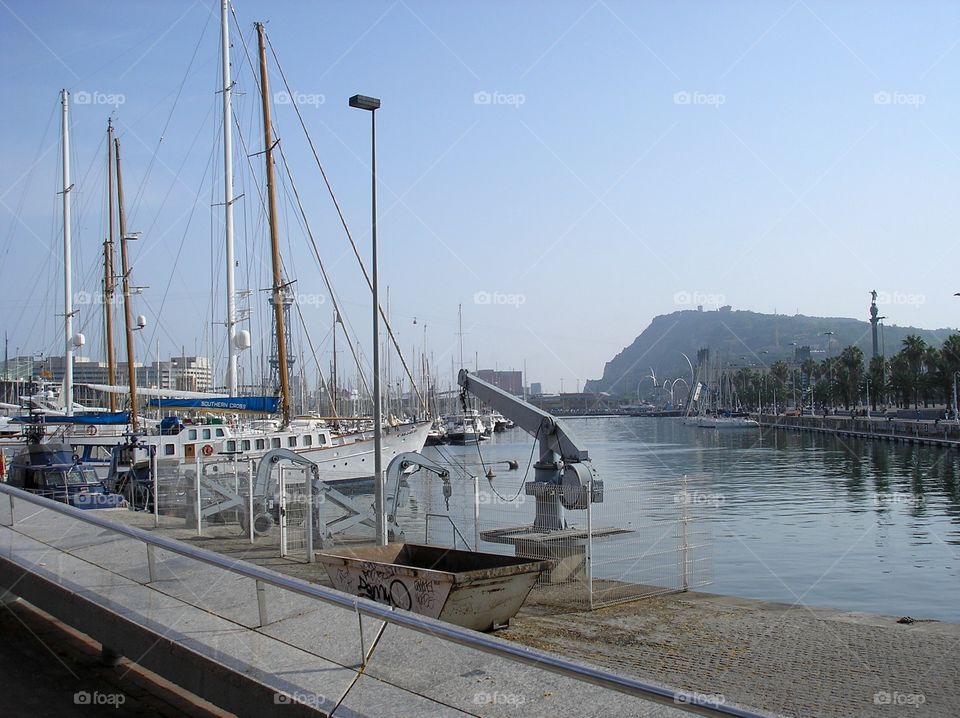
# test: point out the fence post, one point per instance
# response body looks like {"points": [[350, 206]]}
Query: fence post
{"points": [[156, 484], [684, 538], [589, 556], [250, 498], [309, 539], [197, 501], [476, 515], [283, 512]]}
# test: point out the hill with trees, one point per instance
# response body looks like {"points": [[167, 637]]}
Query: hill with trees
{"points": [[751, 342]]}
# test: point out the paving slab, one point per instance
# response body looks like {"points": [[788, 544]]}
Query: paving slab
{"points": [[200, 610]]}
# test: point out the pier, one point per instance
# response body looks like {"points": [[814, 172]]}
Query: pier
{"points": [[942, 433]]}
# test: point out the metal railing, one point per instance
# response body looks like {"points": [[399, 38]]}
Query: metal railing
{"points": [[681, 699]]}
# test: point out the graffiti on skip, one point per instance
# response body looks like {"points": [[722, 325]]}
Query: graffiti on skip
{"points": [[382, 589], [393, 586], [423, 588]]}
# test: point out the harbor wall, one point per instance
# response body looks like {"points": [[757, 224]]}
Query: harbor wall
{"points": [[935, 433]]}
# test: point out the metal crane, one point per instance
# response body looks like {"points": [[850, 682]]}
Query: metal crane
{"points": [[563, 476]]}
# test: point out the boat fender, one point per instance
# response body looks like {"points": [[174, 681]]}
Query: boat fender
{"points": [[207, 450]]}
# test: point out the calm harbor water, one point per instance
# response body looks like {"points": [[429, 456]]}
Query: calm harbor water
{"points": [[833, 522]]}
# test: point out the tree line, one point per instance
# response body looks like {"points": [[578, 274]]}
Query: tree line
{"points": [[918, 375]]}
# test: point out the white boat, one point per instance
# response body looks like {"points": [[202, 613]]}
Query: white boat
{"points": [[500, 422], [341, 457], [726, 422], [465, 429]]}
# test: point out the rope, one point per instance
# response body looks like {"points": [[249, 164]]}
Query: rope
{"points": [[525, 473], [343, 221]]}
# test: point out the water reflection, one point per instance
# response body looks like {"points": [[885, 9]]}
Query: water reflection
{"points": [[837, 522]]}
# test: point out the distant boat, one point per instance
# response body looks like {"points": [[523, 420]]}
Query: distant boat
{"points": [[465, 429], [726, 422]]}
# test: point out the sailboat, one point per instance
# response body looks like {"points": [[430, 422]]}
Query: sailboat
{"points": [[701, 412], [342, 456]]}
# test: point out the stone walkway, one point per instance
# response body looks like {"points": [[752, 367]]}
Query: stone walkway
{"points": [[795, 661], [771, 657]]}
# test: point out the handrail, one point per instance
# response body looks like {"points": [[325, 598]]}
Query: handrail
{"points": [[690, 701]]}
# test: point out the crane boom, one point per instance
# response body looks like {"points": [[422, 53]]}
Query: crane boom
{"points": [[563, 478], [554, 435]]}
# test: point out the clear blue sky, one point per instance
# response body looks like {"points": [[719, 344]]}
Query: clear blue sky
{"points": [[786, 156]]}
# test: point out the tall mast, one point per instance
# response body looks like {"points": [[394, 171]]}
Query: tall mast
{"points": [[274, 236], [67, 261], [231, 322], [333, 384], [127, 308], [460, 331], [108, 277]]}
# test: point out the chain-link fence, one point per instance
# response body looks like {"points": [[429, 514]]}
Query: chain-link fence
{"points": [[651, 538], [632, 541], [295, 497]]}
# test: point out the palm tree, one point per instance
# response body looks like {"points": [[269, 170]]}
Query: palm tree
{"points": [[913, 351], [779, 373], [931, 374], [949, 366], [851, 374], [876, 375]]}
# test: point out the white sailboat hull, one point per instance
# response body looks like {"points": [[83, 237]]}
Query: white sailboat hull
{"points": [[343, 458]]}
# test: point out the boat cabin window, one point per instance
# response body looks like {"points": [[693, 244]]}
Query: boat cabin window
{"points": [[52, 479], [231, 445], [291, 441], [74, 476], [307, 440], [275, 443], [261, 443], [206, 433], [220, 432], [245, 445], [169, 449], [323, 439], [88, 476], [192, 435]]}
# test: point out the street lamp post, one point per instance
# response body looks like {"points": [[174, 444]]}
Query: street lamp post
{"points": [[372, 104], [868, 396], [954, 397]]}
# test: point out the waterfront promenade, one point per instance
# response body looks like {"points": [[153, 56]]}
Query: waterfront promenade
{"points": [[776, 658], [925, 431]]}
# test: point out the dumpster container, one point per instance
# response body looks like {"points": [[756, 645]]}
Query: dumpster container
{"points": [[482, 591]]}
